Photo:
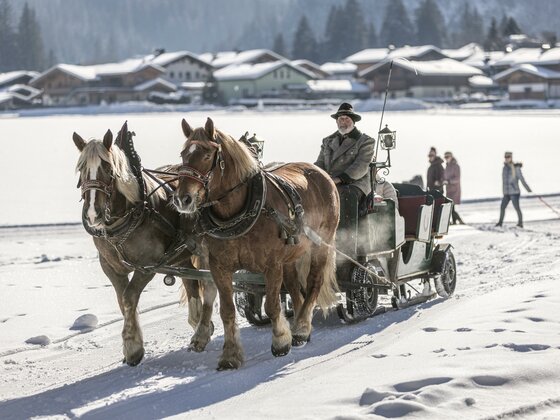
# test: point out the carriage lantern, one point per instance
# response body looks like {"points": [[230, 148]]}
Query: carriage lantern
{"points": [[387, 138]]}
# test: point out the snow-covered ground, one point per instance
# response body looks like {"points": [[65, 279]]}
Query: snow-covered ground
{"points": [[490, 351], [38, 156]]}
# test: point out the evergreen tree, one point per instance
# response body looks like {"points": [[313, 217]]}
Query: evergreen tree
{"points": [[430, 24], [397, 28], [279, 46], [354, 34], [333, 40], [305, 44], [493, 40], [29, 41], [7, 39], [371, 40], [511, 27]]}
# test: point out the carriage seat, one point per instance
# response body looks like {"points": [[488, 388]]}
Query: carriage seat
{"points": [[442, 212], [415, 206]]}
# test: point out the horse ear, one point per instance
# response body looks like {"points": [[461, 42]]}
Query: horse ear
{"points": [[209, 127], [108, 139], [121, 134], [187, 130], [78, 141]]}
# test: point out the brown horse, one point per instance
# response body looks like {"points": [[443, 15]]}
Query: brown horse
{"points": [[133, 235], [217, 181]]}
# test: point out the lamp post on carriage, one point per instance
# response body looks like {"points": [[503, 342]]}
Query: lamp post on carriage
{"points": [[388, 141]]}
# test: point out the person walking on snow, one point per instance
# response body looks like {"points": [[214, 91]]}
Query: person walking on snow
{"points": [[452, 182], [511, 175], [434, 179]]}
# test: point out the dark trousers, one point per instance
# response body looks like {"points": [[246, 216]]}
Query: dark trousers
{"points": [[455, 216], [515, 200], [347, 232]]}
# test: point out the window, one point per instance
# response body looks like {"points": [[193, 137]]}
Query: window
{"points": [[172, 74], [188, 75], [180, 75], [197, 75]]}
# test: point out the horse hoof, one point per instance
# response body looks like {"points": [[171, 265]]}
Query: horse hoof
{"points": [[281, 351], [228, 365], [135, 359], [300, 341], [196, 347]]}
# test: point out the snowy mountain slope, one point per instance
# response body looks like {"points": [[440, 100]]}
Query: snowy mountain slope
{"points": [[492, 348]]}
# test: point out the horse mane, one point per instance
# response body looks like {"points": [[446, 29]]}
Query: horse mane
{"points": [[95, 151], [245, 163]]}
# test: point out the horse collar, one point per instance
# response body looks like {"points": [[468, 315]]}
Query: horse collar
{"points": [[242, 223]]}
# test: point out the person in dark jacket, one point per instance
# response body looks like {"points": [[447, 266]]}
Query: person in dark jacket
{"points": [[345, 155], [452, 182], [434, 179], [511, 175]]}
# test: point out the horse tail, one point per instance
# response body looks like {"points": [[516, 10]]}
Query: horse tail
{"points": [[327, 298]]}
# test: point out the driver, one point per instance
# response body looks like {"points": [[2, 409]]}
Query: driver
{"points": [[345, 155]]}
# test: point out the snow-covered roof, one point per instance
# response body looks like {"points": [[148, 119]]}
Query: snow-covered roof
{"points": [[255, 71], [481, 81], [227, 58], [443, 67], [192, 85], [369, 55], [157, 81], [483, 59], [14, 75], [339, 68], [543, 72], [536, 56], [328, 85], [167, 58], [412, 51], [29, 90], [5, 97], [464, 52], [88, 73]]}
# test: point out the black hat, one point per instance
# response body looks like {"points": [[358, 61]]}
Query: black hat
{"points": [[346, 109]]}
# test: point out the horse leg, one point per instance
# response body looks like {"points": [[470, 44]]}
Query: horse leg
{"points": [[194, 301], [118, 280], [133, 343], [232, 355], [291, 273], [302, 326], [205, 327], [281, 335]]}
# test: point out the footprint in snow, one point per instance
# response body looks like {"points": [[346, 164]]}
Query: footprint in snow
{"points": [[379, 356], [405, 354], [498, 330], [540, 295], [438, 350], [463, 329], [412, 386], [430, 329], [463, 348], [371, 396], [40, 340], [535, 319], [511, 311], [397, 408], [489, 380], [524, 348], [489, 346]]}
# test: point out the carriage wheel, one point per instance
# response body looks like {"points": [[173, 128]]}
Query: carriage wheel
{"points": [[445, 283], [361, 303], [250, 306]]}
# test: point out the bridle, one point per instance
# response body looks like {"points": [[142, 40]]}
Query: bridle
{"points": [[105, 188], [186, 171]]}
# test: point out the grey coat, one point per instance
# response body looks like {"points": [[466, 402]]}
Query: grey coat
{"points": [[511, 175], [348, 160]]}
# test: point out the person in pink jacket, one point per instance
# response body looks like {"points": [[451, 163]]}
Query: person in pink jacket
{"points": [[452, 182]]}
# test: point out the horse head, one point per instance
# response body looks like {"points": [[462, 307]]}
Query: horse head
{"points": [[106, 181], [212, 162]]}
